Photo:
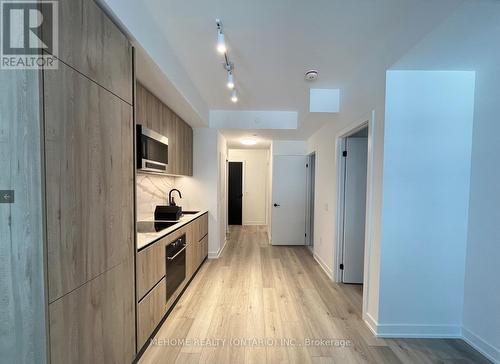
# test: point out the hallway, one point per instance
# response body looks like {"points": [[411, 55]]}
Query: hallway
{"points": [[263, 304]]}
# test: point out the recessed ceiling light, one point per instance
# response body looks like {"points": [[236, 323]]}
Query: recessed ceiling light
{"points": [[248, 141]]}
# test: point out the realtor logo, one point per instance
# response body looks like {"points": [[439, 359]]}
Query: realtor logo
{"points": [[29, 38]]}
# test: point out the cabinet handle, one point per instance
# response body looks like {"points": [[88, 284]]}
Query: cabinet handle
{"points": [[180, 251]]}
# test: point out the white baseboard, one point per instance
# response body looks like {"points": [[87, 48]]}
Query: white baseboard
{"points": [[481, 345], [433, 331], [325, 268], [418, 331], [371, 323], [216, 255]]}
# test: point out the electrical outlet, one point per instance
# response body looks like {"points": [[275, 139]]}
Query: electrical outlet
{"points": [[6, 196]]}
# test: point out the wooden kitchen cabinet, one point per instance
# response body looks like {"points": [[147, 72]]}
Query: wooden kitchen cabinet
{"points": [[89, 179], [191, 250], [202, 226], [95, 322], [155, 115], [203, 249], [197, 249], [92, 44], [88, 141], [150, 311], [150, 266]]}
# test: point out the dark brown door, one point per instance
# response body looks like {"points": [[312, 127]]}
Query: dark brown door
{"points": [[235, 193]]}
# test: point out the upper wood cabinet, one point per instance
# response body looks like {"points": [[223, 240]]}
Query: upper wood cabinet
{"points": [[92, 44], [155, 115]]}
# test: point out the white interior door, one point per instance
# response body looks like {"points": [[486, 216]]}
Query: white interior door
{"points": [[354, 210], [289, 200]]}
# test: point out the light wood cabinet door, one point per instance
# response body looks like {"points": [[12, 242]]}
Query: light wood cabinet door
{"points": [[91, 43], [186, 149], [202, 226], [150, 267], [95, 322], [170, 129], [191, 251], [141, 99], [203, 249], [89, 180], [150, 311]]}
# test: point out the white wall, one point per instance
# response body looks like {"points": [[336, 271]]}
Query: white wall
{"points": [[289, 147], [427, 143], [255, 183], [481, 316], [362, 101], [468, 40], [202, 190]]}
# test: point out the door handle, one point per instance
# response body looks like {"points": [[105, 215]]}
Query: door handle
{"points": [[277, 205]]}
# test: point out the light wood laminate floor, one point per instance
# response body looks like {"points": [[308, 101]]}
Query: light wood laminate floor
{"points": [[279, 299]]}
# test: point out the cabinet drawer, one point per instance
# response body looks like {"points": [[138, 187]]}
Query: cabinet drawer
{"points": [[150, 266], [203, 249], [150, 311], [202, 226]]}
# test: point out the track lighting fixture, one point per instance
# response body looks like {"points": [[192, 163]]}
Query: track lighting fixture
{"points": [[234, 97], [221, 43], [230, 80], [228, 66]]}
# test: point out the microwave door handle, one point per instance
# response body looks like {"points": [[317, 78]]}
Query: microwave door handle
{"points": [[176, 254]]}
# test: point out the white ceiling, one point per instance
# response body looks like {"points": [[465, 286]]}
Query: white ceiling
{"points": [[273, 43]]}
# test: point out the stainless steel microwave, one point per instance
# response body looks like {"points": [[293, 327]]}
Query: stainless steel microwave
{"points": [[152, 150]]}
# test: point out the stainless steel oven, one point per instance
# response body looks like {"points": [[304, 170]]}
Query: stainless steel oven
{"points": [[175, 264], [152, 150]]}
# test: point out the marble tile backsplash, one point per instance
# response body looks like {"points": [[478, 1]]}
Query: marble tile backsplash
{"points": [[152, 190]]}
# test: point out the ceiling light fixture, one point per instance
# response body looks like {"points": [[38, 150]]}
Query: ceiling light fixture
{"points": [[234, 97], [221, 42], [228, 66], [248, 141], [230, 80]]}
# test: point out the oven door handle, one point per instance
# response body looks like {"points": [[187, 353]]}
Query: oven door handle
{"points": [[176, 254]]}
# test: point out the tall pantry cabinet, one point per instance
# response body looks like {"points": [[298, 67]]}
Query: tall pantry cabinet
{"points": [[89, 190], [67, 238]]}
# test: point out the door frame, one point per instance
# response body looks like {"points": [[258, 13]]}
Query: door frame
{"points": [[243, 168], [310, 201], [272, 200], [370, 121]]}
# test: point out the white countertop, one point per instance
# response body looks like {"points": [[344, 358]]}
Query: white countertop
{"points": [[144, 239]]}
